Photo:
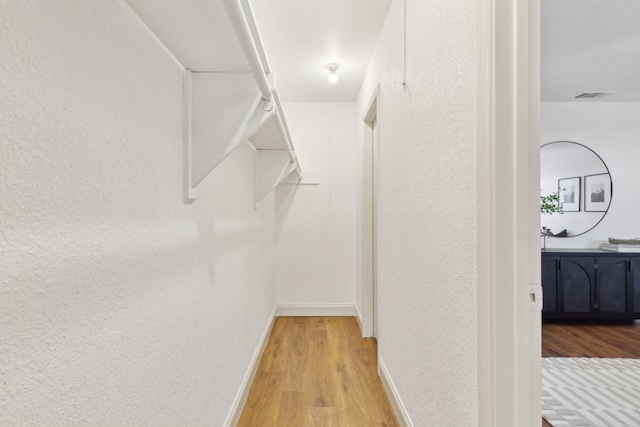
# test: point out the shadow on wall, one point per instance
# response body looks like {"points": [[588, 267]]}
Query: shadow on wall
{"points": [[225, 216], [285, 193]]}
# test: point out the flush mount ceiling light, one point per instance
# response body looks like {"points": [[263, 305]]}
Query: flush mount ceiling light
{"points": [[333, 67]]}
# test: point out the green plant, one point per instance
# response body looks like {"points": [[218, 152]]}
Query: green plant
{"points": [[550, 204]]}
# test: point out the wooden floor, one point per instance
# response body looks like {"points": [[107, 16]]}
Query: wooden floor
{"points": [[590, 339], [317, 371]]}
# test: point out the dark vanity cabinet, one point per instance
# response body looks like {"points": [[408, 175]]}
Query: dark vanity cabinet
{"points": [[612, 286], [590, 284], [567, 285]]}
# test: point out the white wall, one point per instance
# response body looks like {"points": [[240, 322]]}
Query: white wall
{"points": [[427, 213], [119, 304], [612, 130], [316, 223]]}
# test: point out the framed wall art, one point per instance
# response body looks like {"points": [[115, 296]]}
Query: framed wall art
{"points": [[597, 192], [569, 194]]}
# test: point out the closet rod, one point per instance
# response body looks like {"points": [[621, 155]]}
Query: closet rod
{"points": [[285, 132], [243, 32], [257, 40]]}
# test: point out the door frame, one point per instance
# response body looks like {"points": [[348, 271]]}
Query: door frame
{"points": [[509, 292], [370, 205]]}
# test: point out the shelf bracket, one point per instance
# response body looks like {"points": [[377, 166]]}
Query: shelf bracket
{"points": [[272, 166], [221, 110]]}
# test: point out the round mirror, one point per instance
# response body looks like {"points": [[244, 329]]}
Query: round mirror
{"points": [[575, 181]]}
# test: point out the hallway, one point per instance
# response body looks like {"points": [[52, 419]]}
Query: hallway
{"points": [[318, 371]]}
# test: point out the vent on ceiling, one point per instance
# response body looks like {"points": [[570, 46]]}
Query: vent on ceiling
{"points": [[591, 95]]}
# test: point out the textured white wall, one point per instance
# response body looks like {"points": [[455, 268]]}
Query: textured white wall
{"points": [[612, 130], [316, 223], [119, 305], [427, 219]]}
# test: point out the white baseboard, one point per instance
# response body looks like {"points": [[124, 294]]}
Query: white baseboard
{"points": [[359, 319], [287, 310], [390, 388], [243, 393]]}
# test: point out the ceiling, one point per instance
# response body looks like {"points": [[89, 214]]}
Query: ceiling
{"points": [[590, 46], [301, 37]]}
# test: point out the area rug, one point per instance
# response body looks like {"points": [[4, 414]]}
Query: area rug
{"points": [[590, 392]]}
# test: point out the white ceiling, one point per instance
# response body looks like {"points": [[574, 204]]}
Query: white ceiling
{"points": [[590, 46], [301, 37]]}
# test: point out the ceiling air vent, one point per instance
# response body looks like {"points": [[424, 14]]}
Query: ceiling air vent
{"points": [[591, 95]]}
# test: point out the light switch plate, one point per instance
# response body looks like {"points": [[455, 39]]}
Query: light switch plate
{"points": [[535, 297]]}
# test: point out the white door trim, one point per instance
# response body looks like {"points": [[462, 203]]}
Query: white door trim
{"points": [[508, 213], [484, 200], [368, 245]]}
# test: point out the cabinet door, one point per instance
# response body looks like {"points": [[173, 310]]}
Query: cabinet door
{"points": [[550, 284], [577, 284], [635, 285], [612, 292]]}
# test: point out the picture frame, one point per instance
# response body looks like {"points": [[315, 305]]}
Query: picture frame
{"points": [[569, 194], [597, 192]]}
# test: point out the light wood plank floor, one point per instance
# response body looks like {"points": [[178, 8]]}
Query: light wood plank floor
{"points": [[590, 339], [317, 371]]}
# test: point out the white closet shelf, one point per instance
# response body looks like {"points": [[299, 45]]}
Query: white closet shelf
{"points": [[229, 90]]}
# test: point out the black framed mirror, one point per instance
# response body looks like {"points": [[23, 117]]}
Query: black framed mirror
{"points": [[582, 182]]}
